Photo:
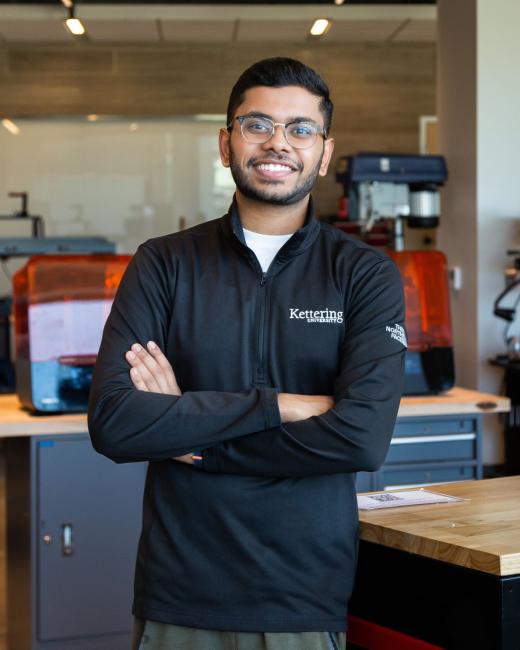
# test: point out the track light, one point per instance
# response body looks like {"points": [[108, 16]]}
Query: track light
{"points": [[73, 24], [10, 126], [320, 26]]}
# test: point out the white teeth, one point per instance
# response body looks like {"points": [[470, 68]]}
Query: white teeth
{"points": [[271, 167]]}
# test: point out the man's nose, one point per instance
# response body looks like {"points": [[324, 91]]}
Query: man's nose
{"points": [[277, 141]]}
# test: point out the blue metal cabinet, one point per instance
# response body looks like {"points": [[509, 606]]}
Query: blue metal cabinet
{"points": [[427, 450], [74, 519]]}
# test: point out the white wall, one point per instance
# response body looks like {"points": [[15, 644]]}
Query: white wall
{"points": [[498, 169], [479, 109], [102, 178]]}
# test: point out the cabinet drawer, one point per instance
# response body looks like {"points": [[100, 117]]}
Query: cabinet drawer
{"points": [[424, 476], [426, 448], [433, 426]]}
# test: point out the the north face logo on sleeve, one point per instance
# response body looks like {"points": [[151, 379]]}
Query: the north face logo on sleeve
{"points": [[397, 332]]}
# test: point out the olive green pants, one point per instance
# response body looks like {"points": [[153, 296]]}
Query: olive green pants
{"points": [[149, 635]]}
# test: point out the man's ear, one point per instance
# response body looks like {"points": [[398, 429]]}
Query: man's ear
{"points": [[327, 155], [223, 145]]}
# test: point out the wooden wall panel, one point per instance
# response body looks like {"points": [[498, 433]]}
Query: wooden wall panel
{"points": [[60, 62], [379, 89]]}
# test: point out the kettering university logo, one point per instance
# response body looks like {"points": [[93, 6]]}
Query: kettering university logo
{"points": [[316, 316]]}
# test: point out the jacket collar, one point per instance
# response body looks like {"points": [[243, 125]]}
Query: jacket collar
{"points": [[299, 242]]}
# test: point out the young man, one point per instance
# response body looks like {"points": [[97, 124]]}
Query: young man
{"points": [[280, 379]]}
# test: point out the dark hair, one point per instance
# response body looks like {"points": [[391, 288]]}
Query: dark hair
{"points": [[276, 73]]}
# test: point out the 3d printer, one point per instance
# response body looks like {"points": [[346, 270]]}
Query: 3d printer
{"points": [[61, 303]]}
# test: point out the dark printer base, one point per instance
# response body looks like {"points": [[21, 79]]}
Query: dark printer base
{"points": [[429, 372]]}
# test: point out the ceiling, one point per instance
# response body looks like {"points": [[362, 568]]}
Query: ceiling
{"points": [[158, 23]]}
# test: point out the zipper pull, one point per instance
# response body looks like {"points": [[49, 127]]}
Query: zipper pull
{"points": [[263, 279]]}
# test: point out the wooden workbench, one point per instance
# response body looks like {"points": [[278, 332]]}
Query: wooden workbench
{"points": [[457, 401], [482, 533], [448, 574], [16, 421]]}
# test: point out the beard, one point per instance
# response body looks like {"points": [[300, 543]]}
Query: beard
{"points": [[270, 195]]}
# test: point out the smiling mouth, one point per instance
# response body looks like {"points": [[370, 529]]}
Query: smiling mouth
{"points": [[274, 167], [272, 170]]}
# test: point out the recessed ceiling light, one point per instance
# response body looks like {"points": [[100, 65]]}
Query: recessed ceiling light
{"points": [[11, 126], [320, 26], [92, 117], [339, 2], [67, 3]]}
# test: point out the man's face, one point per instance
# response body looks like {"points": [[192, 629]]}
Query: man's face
{"points": [[295, 170]]}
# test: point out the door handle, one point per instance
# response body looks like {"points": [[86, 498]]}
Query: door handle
{"points": [[67, 541]]}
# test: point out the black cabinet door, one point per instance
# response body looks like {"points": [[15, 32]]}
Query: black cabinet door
{"points": [[88, 525]]}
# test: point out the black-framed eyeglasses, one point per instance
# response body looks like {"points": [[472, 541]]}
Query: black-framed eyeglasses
{"points": [[298, 134]]}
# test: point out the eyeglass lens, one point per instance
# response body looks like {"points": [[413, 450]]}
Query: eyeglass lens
{"points": [[298, 134]]}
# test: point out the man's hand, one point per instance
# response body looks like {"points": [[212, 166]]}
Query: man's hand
{"points": [[300, 407], [152, 372]]}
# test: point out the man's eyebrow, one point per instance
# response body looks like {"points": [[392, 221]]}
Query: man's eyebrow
{"points": [[257, 114], [299, 118]]}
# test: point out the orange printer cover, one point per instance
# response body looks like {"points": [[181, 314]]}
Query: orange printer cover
{"points": [[425, 279], [64, 300]]}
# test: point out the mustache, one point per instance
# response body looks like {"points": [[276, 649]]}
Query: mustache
{"points": [[276, 158]]}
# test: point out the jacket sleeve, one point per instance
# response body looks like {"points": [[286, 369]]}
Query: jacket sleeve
{"points": [[354, 435], [126, 424]]}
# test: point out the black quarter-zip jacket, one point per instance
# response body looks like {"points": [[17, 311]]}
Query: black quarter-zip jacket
{"points": [[262, 537]]}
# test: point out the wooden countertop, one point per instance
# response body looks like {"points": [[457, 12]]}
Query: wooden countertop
{"points": [[15, 421], [482, 533], [453, 402]]}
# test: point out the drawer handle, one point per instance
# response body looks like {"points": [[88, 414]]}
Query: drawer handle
{"points": [[67, 545], [446, 438]]}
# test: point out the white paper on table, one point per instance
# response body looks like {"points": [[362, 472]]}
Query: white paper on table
{"points": [[394, 499]]}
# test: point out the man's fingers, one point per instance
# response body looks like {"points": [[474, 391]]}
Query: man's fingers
{"points": [[186, 458], [153, 368], [163, 362], [137, 380], [158, 355], [146, 376]]}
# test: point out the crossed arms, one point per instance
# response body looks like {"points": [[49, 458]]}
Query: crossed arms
{"points": [[152, 372], [257, 431]]}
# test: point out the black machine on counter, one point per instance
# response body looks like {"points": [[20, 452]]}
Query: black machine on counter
{"points": [[392, 187], [510, 361], [512, 282]]}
